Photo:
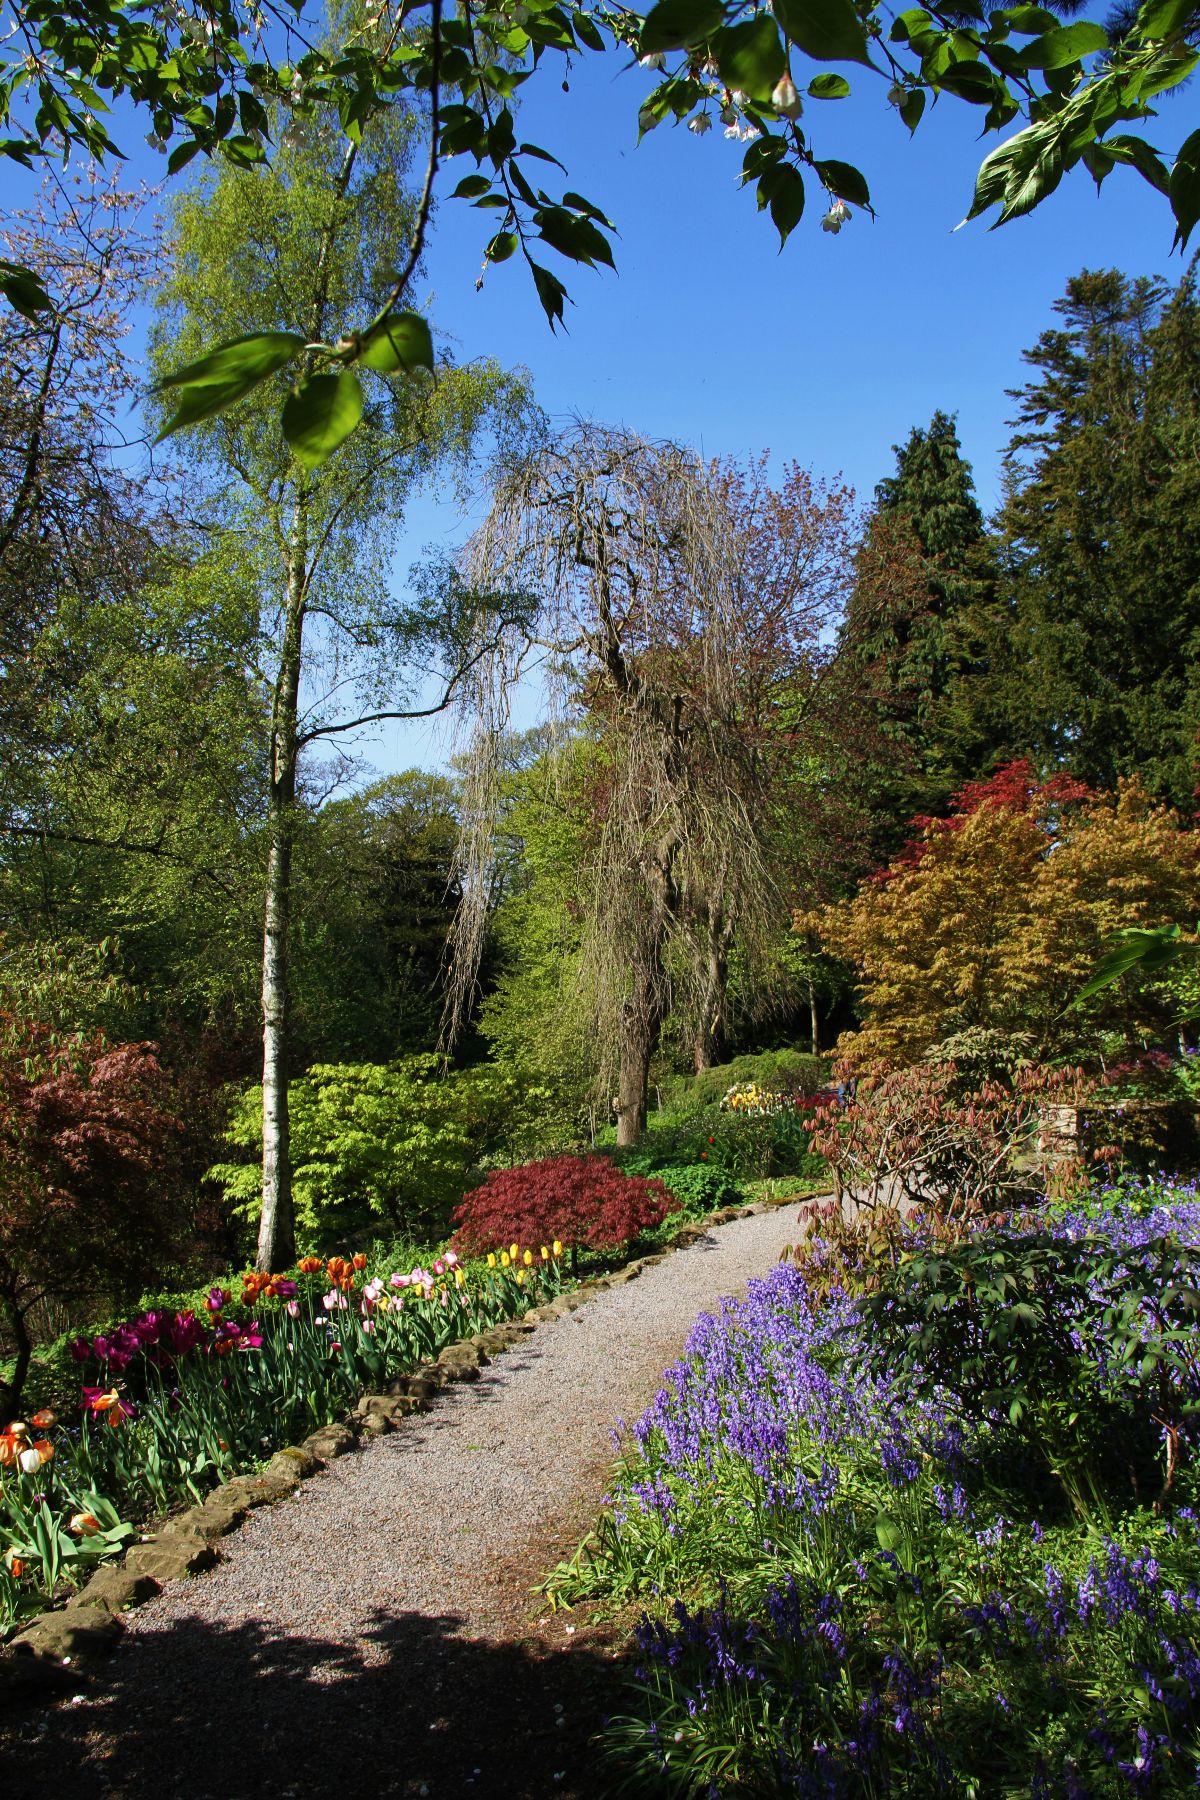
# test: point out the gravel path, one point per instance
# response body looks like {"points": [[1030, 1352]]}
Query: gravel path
{"points": [[379, 1626]]}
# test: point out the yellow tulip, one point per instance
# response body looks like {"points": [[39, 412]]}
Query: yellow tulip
{"points": [[557, 1248], [520, 1277], [505, 1259], [514, 1250], [545, 1254], [528, 1259], [491, 1259], [460, 1279]]}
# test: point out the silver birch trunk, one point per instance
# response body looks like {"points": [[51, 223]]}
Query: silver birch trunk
{"points": [[276, 1227]]}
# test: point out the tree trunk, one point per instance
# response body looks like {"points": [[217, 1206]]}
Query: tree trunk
{"points": [[714, 982], [276, 1227], [814, 1018], [639, 1030]]}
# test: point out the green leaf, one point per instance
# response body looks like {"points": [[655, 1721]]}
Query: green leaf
{"points": [[827, 30], [586, 31], [551, 293], [181, 155], [1127, 148], [750, 56], [250, 358], [844, 180], [787, 202], [1065, 45], [501, 247], [970, 81], [1164, 18], [677, 24], [829, 87], [401, 341], [321, 415], [471, 186], [23, 290], [1134, 949], [1185, 189], [912, 106], [1030, 20], [889, 1534]]}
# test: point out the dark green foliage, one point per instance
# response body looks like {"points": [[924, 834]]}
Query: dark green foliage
{"points": [[921, 632], [1101, 551], [747, 1147], [778, 1071]]}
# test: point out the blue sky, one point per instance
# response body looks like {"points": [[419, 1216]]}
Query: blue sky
{"points": [[827, 353]]}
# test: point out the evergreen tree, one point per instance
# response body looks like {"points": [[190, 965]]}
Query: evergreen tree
{"points": [[921, 633], [1099, 535]]}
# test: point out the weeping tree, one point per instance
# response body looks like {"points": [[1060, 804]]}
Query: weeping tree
{"points": [[696, 673], [302, 243]]}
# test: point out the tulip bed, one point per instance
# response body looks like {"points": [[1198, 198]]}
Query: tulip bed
{"points": [[173, 1402], [928, 1524]]}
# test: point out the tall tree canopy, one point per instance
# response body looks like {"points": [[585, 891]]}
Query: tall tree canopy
{"points": [[685, 608], [336, 649], [921, 632], [1099, 535]]}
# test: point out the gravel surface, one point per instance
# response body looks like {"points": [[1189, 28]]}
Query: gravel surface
{"points": [[380, 1623]]}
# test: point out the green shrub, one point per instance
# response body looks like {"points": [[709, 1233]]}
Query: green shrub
{"points": [[384, 1140], [746, 1146], [697, 1189], [779, 1071]]}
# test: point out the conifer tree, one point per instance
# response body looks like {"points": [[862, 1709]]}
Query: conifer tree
{"points": [[1099, 535], [921, 632]]}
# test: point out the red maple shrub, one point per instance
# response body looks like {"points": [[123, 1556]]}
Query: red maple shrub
{"points": [[85, 1133], [578, 1200]]}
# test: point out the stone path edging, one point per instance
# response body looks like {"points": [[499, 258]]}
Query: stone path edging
{"points": [[57, 1651]]}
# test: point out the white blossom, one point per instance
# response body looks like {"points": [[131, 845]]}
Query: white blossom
{"points": [[700, 124], [656, 60], [836, 217], [785, 99]]}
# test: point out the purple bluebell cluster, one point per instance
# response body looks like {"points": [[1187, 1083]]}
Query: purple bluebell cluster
{"points": [[880, 1616]]}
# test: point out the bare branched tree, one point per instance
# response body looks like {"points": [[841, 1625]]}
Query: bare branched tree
{"points": [[695, 671]]}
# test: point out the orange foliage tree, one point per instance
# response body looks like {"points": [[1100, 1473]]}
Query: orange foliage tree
{"points": [[994, 918]]}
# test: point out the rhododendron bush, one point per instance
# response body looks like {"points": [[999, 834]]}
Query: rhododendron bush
{"points": [[578, 1200]]}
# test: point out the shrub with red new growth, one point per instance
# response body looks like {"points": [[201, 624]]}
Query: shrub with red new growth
{"points": [[580, 1200]]}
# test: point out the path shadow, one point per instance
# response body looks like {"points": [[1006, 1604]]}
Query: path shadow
{"points": [[199, 1712]]}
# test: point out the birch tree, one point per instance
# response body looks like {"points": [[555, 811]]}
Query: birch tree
{"points": [[303, 243]]}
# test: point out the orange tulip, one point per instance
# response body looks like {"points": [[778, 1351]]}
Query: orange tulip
{"points": [[44, 1419], [45, 1449], [308, 1265], [359, 1260], [84, 1524], [16, 1568]]}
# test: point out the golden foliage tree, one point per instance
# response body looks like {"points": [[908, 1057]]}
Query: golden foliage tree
{"points": [[994, 918]]}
